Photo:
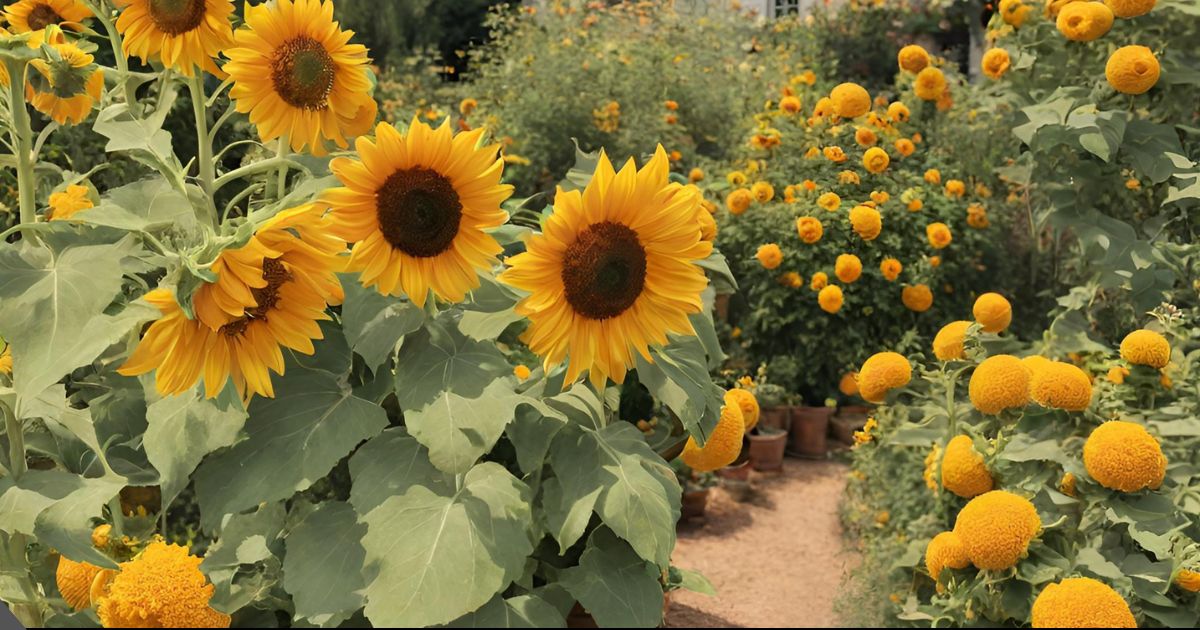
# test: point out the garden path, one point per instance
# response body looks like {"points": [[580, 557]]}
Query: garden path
{"points": [[776, 560]]}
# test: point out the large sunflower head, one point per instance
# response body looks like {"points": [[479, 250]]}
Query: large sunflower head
{"points": [[613, 270], [182, 34], [418, 207], [269, 295], [297, 76], [66, 86], [26, 16]]}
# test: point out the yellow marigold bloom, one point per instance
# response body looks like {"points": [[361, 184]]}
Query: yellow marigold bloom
{"points": [[1133, 184], [1054, 6], [695, 175], [671, 105], [1084, 21], [298, 77], [791, 280], [866, 221], [890, 268], [915, 205], [521, 372], [66, 203], [789, 104], [935, 261], [996, 528], [898, 112], [993, 312], [1126, 9], [995, 63], [864, 436], [849, 177], [977, 217], [161, 588], [762, 191], [722, 447], [737, 178], [955, 188], [74, 80], [1058, 385], [917, 298], [876, 160], [809, 229], [1080, 602], [865, 137], [848, 384], [1066, 485], [467, 106], [769, 255], [948, 342], [931, 467], [183, 35], [945, 101], [747, 403], [912, 58], [945, 551], [1014, 12], [831, 298], [26, 16], [963, 470], [905, 147], [75, 580], [1132, 69], [824, 107], [1117, 374], [1124, 456], [850, 100], [100, 535], [809, 185], [848, 268], [933, 176], [1146, 347], [882, 373], [1188, 580], [820, 280], [1000, 382], [834, 154], [930, 84], [739, 200], [1034, 363], [939, 235]]}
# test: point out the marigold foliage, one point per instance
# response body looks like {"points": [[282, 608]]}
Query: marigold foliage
{"points": [[1124, 456], [996, 528], [1081, 603]]}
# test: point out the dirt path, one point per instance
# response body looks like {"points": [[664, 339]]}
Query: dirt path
{"points": [[776, 561]]}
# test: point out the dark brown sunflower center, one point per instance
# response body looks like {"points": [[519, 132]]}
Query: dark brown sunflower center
{"points": [[276, 275], [175, 17], [604, 270], [41, 16], [303, 73], [419, 212]]}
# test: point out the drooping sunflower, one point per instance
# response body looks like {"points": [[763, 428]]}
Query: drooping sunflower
{"points": [[284, 297], [613, 271], [26, 16], [418, 207], [182, 34], [68, 87], [296, 74]]}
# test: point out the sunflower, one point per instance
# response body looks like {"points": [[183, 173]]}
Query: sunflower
{"points": [[68, 87], [613, 271], [26, 16], [182, 34], [417, 208], [297, 76], [284, 297]]}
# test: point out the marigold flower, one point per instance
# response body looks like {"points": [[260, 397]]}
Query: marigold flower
{"points": [[993, 312], [912, 58], [789, 104], [933, 176], [723, 445], [848, 268], [809, 185], [898, 112], [1058, 385], [1066, 485], [824, 107], [809, 229], [865, 137], [736, 178], [1117, 374], [915, 205], [917, 297], [1034, 363], [820, 280], [467, 105], [769, 255], [849, 177], [747, 403], [905, 147], [963, 470], [1000, 382], [75, 580], [1188, 580], [521, 372], [1124, 456], [1132, 70], [850, 100], [1014, 12], [739, 200], [945, 551], [829, 201], [67, 203], [708, 225], [931, 467], [956, 188], [1146, 347], [671, 105], [935, 261], [890, 268], [762, 191], [1080, 603], [996, 528], [831, 298], [848, 384], [939, 235], [866, 221], [834, 154], [881, 373], [995, 63], [1084, 21], [876, 160], [164, 588], [1126, 9], [930, 84]]}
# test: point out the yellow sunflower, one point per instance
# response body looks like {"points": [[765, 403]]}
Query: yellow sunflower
{"points": [[284, 297], [26, 16], [613, 271], [418, 207], [68, 87], [297, 76], [182, 34]]}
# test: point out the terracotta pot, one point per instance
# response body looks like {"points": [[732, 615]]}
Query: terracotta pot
{"points": [[721, 306], [843, 429], [694, 504], [738, 472], [580, 618], [766, 450], [809, 427], [778, 418]]}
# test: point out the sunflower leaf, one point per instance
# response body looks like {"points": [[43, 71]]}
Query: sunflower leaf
{"points": [[617, 587], [439, 358], [182, 430]]}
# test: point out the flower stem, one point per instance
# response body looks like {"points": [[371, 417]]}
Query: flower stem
{"points": [[204, 151], [22, 142], [281, 174], [114, 40]]}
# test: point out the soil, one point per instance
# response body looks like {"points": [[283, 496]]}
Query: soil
{"points": [[776, 560]]}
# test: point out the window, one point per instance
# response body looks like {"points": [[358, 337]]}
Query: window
{"points": [[786, 7]]}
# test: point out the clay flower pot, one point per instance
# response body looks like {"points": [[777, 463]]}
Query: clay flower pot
{"points": [[849, 419], [809, 428], [695, 502], [778, 418], [766, 450], [736, 472]]}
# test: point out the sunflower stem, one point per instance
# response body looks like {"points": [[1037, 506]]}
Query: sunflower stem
{"points": [[204, 151], [22, 141], [114, 40], [281, 175]]}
